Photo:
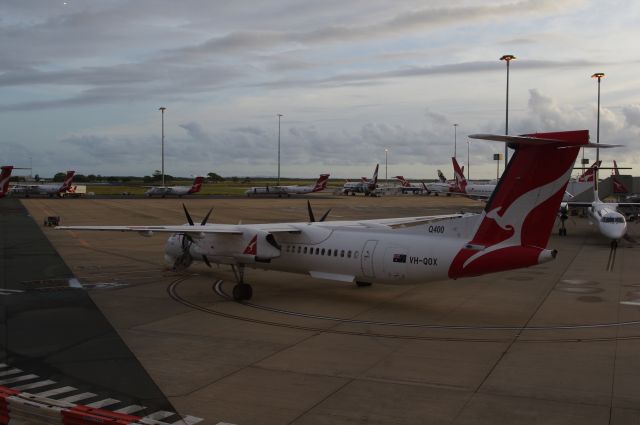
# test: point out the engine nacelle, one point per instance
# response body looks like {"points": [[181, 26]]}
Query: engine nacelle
{"points": [[260, 247], [177, 251]]}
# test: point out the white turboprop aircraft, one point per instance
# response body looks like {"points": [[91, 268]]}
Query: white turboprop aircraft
{"points": [[50, 189], [321, 184], [367, 187], [5, 176], [512, 232], [178, 191]]}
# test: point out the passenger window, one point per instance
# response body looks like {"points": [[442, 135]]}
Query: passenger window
{"points": [[317, 251], [342, 253], [349, 254], [335, 252], [304, 251], [322, 252], [299, 249]]}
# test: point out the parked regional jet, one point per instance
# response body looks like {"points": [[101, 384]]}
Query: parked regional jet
{"points": [[320, 185], [5, 176], [50, 189], [406, 186], [512, 232], [471, 190], [606, 217], [178, 191], [365, 186]]}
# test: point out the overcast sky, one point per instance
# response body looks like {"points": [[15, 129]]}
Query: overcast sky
{"points": [[81, 82]]}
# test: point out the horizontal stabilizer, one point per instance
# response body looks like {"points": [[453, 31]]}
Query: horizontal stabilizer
{"points": [[520, 140], [526, 140]]}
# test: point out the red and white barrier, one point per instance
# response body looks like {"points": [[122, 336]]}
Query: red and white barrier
{"points": [[18, 407]]}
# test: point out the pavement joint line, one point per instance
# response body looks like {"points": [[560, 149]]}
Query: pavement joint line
{"points": [[515, 339], [615, 355]]}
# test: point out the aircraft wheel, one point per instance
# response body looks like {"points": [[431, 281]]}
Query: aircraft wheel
{"points": [[242, 291], [362, 284]]}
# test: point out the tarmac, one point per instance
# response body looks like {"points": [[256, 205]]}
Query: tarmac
{"points": [[556, 343]]}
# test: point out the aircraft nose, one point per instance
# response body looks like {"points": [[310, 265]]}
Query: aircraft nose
{"points": [[615, 230]]}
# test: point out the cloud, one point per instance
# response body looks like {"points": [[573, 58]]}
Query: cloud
{"points": [[632, 115], [154, 50]]}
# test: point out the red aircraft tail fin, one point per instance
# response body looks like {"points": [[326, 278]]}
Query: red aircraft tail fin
{"points": [[590, 172], [403, 181], [66, 184], [618, 186], [516, 224], [458, 174], [5, 176], [197, 185], [321, 184], [374, 183]]}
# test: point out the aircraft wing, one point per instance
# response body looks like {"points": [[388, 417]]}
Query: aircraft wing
{"points": [[229, 229], [391, 223], [628, 204], [578, 204]]}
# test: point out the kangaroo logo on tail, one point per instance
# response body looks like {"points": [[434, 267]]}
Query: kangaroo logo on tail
{"points": [[321, 184], [403, 181], [618, 186], [590, 172]]}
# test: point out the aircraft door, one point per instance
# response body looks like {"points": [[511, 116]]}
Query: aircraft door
{"points": [[367, 258]]}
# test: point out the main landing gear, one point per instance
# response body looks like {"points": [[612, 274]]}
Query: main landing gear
{"points": [[241, 291]]}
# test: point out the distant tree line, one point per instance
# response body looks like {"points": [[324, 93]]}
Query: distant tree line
{"points": [[156, 177]]}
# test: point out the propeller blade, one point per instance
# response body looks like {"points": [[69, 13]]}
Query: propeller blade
{"points": [[206, 261], [206, 217], [189, 219], [311, 216], [323, 218], [186, 242]]}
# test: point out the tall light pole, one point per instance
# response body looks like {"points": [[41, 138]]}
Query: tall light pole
{"points": [[468, 162], [386, 175], [455, 139], [507, 59], [162, 109], [279, 116], [599, 76]]}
